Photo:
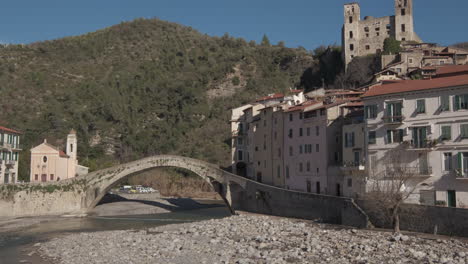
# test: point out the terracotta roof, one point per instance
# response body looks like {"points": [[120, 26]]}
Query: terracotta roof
{"points": [[270, 97], [417, 85], [302, 106], [62, 154], [452, 69], [344, 93], [2, 128], [297, 91]]}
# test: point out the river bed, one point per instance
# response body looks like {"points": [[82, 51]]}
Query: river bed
{"points": [[16, 246]]}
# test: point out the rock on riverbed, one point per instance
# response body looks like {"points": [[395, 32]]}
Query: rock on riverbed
{"points": [[251, 239]]}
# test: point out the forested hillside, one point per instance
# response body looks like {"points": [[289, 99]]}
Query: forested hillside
{"points": [[139, 88]]}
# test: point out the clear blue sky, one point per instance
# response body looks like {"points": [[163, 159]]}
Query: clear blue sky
{"points": [[307, 23]]}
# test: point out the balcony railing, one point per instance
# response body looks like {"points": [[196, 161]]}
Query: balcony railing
{"points": [[393, 119], [426, 144], [10, 163], [10, 146]]}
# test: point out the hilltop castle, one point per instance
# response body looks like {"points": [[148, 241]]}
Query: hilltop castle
{"points": [[363, 37]]}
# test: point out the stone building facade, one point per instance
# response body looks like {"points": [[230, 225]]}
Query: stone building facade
{"points": [[363, 37], [9, 155]]}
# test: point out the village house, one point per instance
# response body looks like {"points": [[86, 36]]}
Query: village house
{"points": [[9, 155], [49, 163], [425, 122]]}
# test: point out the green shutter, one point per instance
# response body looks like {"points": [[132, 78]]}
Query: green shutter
{"points": [[456, 102], [460, 161]]}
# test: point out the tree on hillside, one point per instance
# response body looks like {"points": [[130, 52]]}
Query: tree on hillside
{"points": [[265, 41], [389, 188], [391, 46], [360, 71]]}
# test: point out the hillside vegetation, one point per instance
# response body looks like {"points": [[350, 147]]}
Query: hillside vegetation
{"points": [[139, 88]]}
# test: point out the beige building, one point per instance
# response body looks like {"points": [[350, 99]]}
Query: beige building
{"points": [[9, 155], [363, 37], [49, 163], [425, 123]]}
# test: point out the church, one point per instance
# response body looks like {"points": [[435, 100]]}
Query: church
{"points": [[49, 163]]}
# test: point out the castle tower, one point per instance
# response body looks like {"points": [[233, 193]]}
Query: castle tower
{"points": [[72, 144], [404, 25], [351, 34]]}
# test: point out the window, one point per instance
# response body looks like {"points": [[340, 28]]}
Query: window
{"points": [[275, 135], [290, 117], [357, 157], [317, 187], [366, 29], [446, 132], [317, 147], [372, 137], [463, 163], [239, 141], [349, 140], [441, 62], [394, 136], [71, 149], [240, 155], [350, 19], [323, 111], [367, 47], [377, 34], [460, 102], [318, 170], [448, 161], [350, 34], [421, 106], [370, 111], [309, 187], [264, 123], [300, 131], [464, 131], [287, 172], [290, 134], [403, 28], [403, 12], [300, 167], [308, 131], [350, 182], [377, 29], [300, 149], [44, 159], [445, 103], [51, 177], [290, 150], [317, 130], [351, 47], [301, 115], [394, 112], [308, 166], [410, 60], [279, 153], [278, 171], [36, 177]]}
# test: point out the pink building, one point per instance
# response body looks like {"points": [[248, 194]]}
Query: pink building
{"points": [[49, 163]]}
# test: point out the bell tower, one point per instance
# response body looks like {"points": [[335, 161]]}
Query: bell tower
{"points": [[72, 144], [404, 24]]}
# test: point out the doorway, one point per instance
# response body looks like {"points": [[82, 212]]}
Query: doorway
{"points": [[43, 177], [451, 198]]}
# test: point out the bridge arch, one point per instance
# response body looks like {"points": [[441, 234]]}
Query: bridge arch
{"points": [[100, 182]]}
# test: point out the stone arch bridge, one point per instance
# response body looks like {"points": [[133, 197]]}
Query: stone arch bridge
{"points": [[79, 195]]}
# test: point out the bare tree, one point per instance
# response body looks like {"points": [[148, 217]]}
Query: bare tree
{"points": [[391, 186]]}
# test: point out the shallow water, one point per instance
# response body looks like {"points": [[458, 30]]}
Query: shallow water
{"points": [[14, 246]]}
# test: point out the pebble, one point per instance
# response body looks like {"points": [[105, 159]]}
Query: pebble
{"points": [[257, 239]]}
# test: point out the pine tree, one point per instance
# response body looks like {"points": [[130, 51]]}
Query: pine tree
{"points": [[265, 41]]}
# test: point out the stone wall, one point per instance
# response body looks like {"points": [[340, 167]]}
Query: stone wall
{"points": [[270, 200], [425, 219]]}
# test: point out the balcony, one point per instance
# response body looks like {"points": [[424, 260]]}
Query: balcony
{"points": [[353, 168], [393, 120], [408, 172], [10, 163], [421, 145], [10, 146], [461, 175]]}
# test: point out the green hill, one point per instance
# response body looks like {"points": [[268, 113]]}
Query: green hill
{"points": [[139, 88]]}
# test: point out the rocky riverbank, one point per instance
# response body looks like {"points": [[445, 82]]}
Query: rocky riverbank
{"points": [[252, 239]]}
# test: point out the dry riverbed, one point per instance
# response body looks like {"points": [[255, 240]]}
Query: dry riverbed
{"points": [[251, 239]]}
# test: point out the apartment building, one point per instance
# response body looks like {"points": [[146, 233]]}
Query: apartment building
{"points": [[9, 155], [423, 123]]}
